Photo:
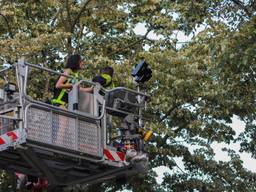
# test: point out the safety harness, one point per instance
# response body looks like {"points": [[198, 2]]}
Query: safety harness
{"points": [[72, 80]]}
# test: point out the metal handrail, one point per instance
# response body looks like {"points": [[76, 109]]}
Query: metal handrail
{"points": [[57, 73], [9, 117], [46, 69], [127, 89], [87, 81], [83, 115]]}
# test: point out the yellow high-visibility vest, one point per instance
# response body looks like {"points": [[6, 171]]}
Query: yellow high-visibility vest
{"points": [[109, 84], [59, 101]]}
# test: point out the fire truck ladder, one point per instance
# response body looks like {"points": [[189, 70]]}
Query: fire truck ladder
{"points": [[75, 145]]}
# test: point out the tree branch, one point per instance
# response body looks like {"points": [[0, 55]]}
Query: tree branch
{"points": [[68, 15], [7, 24], [80, 13], [132, 44], [168, 113]]}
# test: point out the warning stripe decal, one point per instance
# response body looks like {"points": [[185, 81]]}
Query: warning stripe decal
{"points": [[114, 155], [12, 135], [121, 155], [108, 155], [8, 137], [12, 138], [2, 141]]}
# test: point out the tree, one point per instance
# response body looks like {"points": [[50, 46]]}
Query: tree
{"points": [[197, 87]]}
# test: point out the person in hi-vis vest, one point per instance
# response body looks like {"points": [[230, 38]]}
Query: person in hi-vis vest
{"points": [[64, 84], [105, 78]]}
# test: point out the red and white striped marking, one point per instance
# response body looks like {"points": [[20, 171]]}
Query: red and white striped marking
{"points": [[114, 155], [8, 139]]}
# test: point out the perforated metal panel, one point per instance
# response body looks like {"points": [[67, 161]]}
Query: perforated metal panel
{"points": [[88, 138], [64, 131], [39, 125]]}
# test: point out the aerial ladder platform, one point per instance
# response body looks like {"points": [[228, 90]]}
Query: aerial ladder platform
{"points": [[74, 145]]}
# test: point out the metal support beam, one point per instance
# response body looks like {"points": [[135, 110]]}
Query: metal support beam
{"points": [[38, 164], [104, 175]]}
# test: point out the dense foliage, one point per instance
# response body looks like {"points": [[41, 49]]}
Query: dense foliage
{"points": [[197, 89]]}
